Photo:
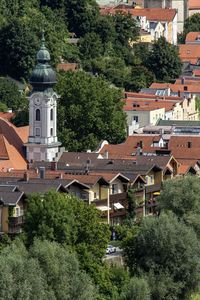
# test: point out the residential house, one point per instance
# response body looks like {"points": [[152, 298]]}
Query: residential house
{"points": [[146, 109], [157, 21], [180, 5], [12, 207]]}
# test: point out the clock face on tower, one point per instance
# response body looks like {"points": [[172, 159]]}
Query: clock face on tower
{"points": [[37, 100]]}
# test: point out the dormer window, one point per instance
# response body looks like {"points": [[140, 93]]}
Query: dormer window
{"points": [[37, 115]]}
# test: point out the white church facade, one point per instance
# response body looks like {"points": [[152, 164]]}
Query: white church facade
{"points": [[42, 143]]}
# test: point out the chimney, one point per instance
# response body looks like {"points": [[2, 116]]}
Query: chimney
{"points": [[26, 176], [54, 166], [61, 175], [42, 172], [106, 154], [183, 80]]}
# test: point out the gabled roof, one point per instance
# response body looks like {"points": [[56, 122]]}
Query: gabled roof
{"points": [[11, 145], [31, 187], [110, 177], [10, 198]]}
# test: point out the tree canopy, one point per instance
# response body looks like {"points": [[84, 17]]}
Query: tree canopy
{"points": [[10, 95], [164, 61], [165, 251], [191, 24], [89, 111], [45, 271], [181, 196]]}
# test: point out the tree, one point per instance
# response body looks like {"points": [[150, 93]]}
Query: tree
{"points": [[62, 272], [165, 251], [66, 220], [81, 16], [20, 41], [192, 24], [126, 28], [21, 118], [89, 110], [181, 195], [45, 271], [90, 46], [10, 95], [140, 78], [69, 221], [136, 289], [17, 50], [164, 60]]}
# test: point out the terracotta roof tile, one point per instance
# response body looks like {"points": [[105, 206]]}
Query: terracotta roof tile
{"points": [[11, 145], [192, 36], [194, 4], [152, 14], [189, 52], [190, 88], [196, 73], [67, 66], [7, 115]]}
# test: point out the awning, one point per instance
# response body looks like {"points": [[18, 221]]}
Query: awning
{"points": [[118, 205], [103, 208], [156, 193]]}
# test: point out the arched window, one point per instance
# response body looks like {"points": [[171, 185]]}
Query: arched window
{"points": [[51, 114], [37, 115]]}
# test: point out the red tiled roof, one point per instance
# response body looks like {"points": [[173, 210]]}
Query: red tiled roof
{"points": [[189, 53], [129, 147], [183, 148], [11, 145], [177, 87], [149, 105], [153, 97], [152, 14], [196, 73], [67, 66], [192, 36], [191, 81], [194, 4], [7, 115]]}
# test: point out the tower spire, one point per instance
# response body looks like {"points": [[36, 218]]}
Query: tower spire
{"points": [[43, 47]]}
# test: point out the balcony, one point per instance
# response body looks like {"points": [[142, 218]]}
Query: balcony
{"points": [[118, 197], [16, 221]]}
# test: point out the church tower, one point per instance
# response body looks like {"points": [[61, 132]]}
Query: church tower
{"points": [[42, 141]]}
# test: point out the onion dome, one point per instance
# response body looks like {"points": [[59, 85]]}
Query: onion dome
{"points": [[43, 75]]}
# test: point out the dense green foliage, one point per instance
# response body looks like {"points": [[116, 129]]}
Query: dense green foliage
{"points": [[181, 196], [164, 60], [10, 95], [165, 251], [45, 271], [137, 289], [191, 24], [89, 111]]}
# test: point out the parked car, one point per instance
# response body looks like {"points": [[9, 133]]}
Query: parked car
{"points": [[110, 249]]}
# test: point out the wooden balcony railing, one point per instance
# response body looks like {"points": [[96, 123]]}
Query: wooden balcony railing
{"points": [[118, 197], [16, 221]]}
